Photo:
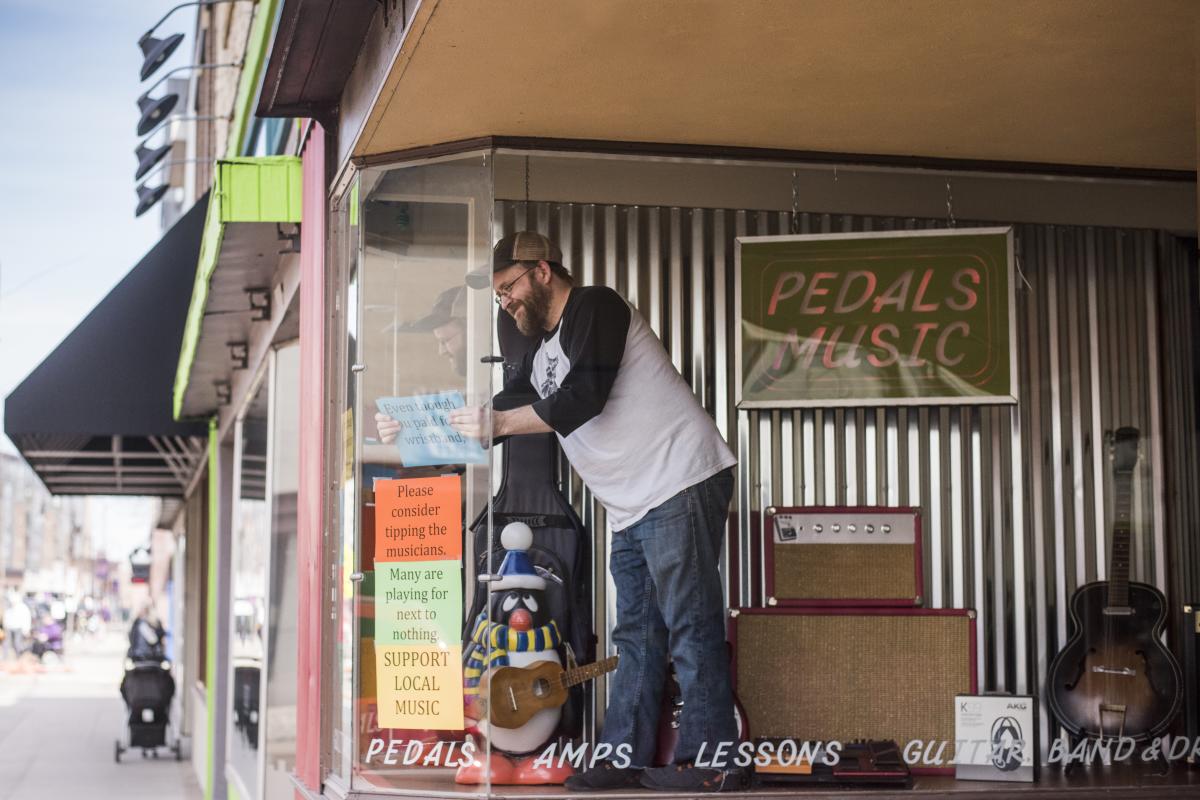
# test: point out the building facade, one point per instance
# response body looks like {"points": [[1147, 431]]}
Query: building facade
{"points": [[370, 154]]}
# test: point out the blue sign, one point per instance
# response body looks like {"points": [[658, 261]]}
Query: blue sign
{"points": [[425, 436]]}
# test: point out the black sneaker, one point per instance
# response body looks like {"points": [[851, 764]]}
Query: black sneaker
{"points": [[690, 778], [604, 776]]}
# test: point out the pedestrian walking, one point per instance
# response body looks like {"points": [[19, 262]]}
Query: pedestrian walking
{"points": [[18, 622]]}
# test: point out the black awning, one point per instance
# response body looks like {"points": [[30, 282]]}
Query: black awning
{"points": [[95, 416]]}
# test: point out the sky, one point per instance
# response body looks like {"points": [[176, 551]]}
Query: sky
{"points": [[68, 89]]}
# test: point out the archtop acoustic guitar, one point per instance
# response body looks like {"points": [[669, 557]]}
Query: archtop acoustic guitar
{"points": [[1114, 677]]}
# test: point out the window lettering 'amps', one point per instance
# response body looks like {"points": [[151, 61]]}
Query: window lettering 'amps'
{"points": [[848, 674], [826, 556]]}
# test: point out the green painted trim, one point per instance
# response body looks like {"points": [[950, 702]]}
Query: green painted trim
{"points": [[210, 633], [266, 189], [259, 189], [252, 66], [210, 246]]}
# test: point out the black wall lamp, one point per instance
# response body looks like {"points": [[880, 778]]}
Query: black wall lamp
{"points": [[156, 109], [149, 156], [156, 51], [149, 195]]}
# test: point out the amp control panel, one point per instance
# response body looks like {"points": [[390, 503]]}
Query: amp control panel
{"points": [[841, 525]]}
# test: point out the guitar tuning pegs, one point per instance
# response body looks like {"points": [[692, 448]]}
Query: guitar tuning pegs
{"points": [[545, 573]]}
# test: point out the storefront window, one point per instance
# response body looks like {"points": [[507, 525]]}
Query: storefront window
{"points": [[251, 540], [667, 234], [417, 352]]}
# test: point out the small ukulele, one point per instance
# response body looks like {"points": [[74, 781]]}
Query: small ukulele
{"points": [[517, 693]]}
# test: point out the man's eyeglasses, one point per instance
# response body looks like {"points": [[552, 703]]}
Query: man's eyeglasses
{"points": [[504, 290]]}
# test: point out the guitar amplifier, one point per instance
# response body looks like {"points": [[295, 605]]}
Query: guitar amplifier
{"points": [[1189, 640], [842, 675], [839, 556]]}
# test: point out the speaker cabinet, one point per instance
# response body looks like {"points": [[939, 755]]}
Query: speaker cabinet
{"points": [[841, 556], [847, 674]]}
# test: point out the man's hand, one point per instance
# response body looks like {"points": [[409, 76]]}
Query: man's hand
{"points": [[387, 427], [470, 421]]}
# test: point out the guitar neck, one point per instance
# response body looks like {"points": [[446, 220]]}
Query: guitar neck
{"points": [[1118, 574], [571, 677]]}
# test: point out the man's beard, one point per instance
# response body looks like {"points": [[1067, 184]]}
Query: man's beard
{"points": [[537, 311]]}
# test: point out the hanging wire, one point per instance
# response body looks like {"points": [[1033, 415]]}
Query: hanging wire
{"points": [[1021, 272], [526, 180], [795, 203], [950, 204]]}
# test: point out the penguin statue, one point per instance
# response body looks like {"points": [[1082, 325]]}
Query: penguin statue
{"points": [[521, 633]]}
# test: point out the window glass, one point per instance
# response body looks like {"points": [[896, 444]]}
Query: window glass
{"points": [[422, 338], [346, 505], [268, 137], [248, 577]]}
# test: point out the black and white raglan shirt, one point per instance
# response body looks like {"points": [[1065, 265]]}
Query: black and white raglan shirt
{"points": [[627, 421]]}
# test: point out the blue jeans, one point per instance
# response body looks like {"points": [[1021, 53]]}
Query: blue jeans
{"points": [[669, 601]]}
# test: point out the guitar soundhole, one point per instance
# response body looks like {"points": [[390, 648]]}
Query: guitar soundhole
{"points": [[541, 687]]}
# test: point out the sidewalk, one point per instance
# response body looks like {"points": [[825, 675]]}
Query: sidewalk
{"points": [[57, 729]]}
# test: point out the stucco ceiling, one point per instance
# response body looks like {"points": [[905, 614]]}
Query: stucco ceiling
{"points": [[1090, 82]]}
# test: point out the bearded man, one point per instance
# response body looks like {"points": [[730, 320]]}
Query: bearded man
{"points": [[633, 430]]}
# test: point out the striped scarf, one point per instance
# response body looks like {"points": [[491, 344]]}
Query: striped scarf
{"points": [[502, 639]]}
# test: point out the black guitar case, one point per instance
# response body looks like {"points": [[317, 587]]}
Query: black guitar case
{"points": [[529, 493]]}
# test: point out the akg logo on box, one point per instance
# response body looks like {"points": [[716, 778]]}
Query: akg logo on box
{"points": [[1008, 744], [1017, 706]]}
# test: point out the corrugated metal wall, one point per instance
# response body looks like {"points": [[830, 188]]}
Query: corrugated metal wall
{"points": [[1015, 499]]}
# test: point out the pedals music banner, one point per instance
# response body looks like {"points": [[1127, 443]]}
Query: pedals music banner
{"points": [[882, 318]]}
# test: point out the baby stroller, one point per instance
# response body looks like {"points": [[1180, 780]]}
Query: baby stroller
{"points": [[48, 638], [147, 689]]}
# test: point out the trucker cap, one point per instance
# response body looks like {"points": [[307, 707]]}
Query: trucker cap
{"points": [[519, 246]]}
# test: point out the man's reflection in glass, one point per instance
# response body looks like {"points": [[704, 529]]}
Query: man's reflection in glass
{"points": [[447, 320]]}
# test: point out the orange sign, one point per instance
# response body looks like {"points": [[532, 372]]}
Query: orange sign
{"points": [[418, 519]]}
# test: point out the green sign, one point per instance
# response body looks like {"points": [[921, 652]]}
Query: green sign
{"points": [[418, 603], [875, 319]]}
